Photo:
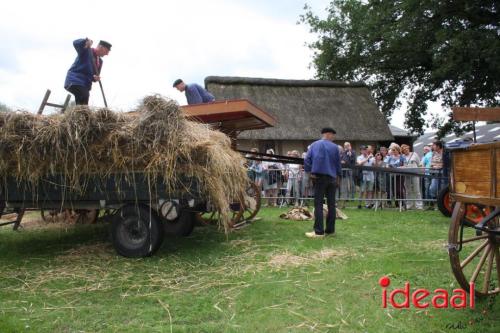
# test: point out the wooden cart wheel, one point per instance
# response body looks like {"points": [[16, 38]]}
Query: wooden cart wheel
{"points": [[474, 258], [214, 217], [473, 213], [82, 216], [53, 215], [252, 202]]}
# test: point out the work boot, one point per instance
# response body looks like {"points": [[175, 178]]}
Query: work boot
{"points": [[313, 234]]}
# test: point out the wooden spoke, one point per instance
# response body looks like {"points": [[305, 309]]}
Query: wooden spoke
{"points": [[472, 239], [497, 260], [487, 276], [480, 264], [473, 254]]}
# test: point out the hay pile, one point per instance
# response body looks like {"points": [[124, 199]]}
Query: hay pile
{"points": [[155, 139]]}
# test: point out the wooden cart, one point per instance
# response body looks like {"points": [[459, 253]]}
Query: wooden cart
{"points": [[473, 245]]}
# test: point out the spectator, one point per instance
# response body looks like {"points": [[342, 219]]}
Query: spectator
{"points": [[396, 160], [305, 185], [426, 163], [367, 178], [348, 161], [412, 183], [437, 168], [255, 170], [292, 186], [272, 173], [380, 181]]}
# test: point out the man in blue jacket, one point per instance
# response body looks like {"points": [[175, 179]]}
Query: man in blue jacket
{"points": [[195, 94], [323, 162], [85, 69]]}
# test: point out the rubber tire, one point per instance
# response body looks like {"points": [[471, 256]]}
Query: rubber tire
{"points": [[121, 236], [183, 226], [443, 194]]}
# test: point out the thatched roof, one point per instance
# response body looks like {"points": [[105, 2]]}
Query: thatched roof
{"points": [[396, 131], [303, 107]]}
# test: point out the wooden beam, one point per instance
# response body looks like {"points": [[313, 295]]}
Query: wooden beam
{"points": [[475, 114]]}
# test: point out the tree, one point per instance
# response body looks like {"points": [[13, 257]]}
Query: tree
{"points": [[413, 50]]}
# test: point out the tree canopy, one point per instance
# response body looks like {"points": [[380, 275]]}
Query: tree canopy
{"points": [[413, 50]]}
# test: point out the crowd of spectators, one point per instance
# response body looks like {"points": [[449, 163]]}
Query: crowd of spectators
{"points": [[377, 187]]}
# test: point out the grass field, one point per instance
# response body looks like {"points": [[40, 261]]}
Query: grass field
{"points": [[264, 278]]}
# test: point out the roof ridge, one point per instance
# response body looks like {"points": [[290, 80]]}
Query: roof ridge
{"points": [[237, 80]]}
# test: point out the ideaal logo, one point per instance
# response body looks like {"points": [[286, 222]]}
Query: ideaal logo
{"points": [[422, 298]]}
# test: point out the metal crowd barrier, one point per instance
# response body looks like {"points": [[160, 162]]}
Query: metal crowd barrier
{"points": [[370, 187]]}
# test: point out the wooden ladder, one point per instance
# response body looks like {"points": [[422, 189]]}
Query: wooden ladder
{"points": [[45, 102]]}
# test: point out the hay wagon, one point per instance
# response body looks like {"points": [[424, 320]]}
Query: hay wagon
{"points": [[473, 243], [144, 208]]}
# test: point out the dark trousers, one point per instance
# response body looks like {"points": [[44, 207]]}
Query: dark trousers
{"points": [[81, 94], [324, 186]]}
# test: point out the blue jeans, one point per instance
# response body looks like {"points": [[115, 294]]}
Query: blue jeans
{"points": [[436, 185]]}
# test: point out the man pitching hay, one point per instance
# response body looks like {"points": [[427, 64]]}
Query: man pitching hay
{"points": [[86, 69]]}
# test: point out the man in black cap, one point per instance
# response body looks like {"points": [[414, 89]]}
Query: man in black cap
{"points": [[86, 68], [195, 94], [323, 162]]}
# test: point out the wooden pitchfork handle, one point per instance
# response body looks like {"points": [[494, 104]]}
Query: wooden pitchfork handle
{"points": [[100, 83]]}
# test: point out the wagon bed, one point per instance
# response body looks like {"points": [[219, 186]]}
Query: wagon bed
{"points": [[474, 174]]}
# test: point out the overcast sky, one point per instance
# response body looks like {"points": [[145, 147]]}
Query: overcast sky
{"points": [[154, 43]]}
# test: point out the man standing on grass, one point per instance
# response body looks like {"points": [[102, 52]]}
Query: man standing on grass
{"points": [[195, 94], [323, 162], [86, 68]]}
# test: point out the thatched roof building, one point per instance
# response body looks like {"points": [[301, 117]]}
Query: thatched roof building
{"points": [[303, 107]]}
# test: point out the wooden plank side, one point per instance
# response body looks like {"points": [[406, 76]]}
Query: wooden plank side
{"points": [[472, 166], [475, 199], [473, 188], [497, 173], [476, 114]]}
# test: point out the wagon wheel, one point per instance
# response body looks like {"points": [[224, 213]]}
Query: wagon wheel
{"points": [[252, 202], [53, 215], [82, 216], [474, 257], [474, 213], [213, 217]]}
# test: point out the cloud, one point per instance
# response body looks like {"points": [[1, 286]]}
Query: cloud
{"points": [[154, 43]]}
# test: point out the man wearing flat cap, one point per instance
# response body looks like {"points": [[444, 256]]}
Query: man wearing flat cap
{"points": [[195, 94], [323, 163], [86, 68]]}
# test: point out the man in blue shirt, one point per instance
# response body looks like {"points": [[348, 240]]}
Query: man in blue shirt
{"points": [[86, 68], [426, 163], [323, 162], [195, 94]]}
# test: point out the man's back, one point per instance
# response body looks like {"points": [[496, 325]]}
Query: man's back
{"points": [[196, 94], [323, 158]]}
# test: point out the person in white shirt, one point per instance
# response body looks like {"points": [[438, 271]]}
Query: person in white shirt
{"points": [[292, 185], [412, 183], [367, 181]]}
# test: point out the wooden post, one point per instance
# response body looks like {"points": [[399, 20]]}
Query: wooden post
{"points": [[44, 101], [66, 103]]}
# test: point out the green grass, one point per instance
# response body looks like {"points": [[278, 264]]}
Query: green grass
{"points": [[264, 278]]}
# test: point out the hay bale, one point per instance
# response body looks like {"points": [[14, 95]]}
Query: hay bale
{"points": [[155, 139]]}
